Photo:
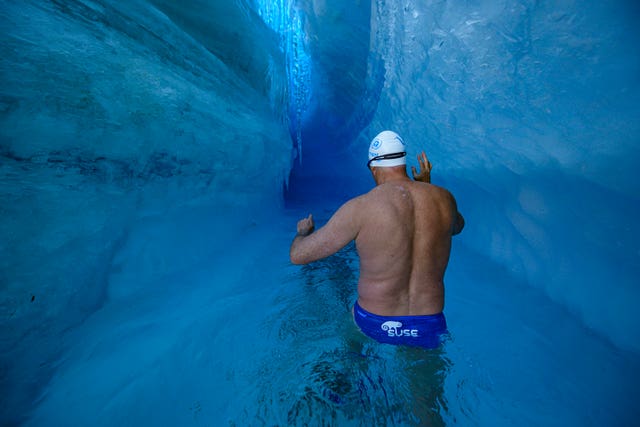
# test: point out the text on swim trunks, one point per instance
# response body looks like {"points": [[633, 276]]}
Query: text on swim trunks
{"points": [[393, 329]]}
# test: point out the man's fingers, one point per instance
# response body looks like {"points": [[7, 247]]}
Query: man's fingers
{"points": [[306, 226], [306, 221]]}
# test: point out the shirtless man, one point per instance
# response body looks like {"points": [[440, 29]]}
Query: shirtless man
{"points": [[402, 231]]}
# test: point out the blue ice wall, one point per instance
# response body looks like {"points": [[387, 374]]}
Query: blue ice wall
{"points": [[114, 117]]}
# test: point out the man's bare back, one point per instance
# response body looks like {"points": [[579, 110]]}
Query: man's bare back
{"points": [[404, 244], [402, 230]]}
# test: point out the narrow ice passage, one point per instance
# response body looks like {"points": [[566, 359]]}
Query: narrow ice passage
{"points": [[155, 156]]}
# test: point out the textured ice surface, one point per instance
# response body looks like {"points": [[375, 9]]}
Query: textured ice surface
{"points": [[112, 115]]}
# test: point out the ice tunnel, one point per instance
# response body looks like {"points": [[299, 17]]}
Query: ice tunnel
{"points": [[154, 155]]}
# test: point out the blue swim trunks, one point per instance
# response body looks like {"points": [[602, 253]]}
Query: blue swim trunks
{"points": [[415, 331]]}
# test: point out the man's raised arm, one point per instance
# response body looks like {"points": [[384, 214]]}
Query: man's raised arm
{"points": [[423, 174], [309, 246]]}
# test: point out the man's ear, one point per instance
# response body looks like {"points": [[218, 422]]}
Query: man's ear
{"points": [[375, 172]]}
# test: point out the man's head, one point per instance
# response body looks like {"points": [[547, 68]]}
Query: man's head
{"points": [[387, 149]]}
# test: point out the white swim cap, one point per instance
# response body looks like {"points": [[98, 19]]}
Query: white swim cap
{"points": [[386, 150]]}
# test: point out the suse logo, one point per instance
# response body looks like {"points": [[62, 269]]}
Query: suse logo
{"points": [[394, 329]]}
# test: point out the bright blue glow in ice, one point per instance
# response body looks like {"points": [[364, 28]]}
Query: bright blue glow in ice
{"points": [[144, 151], [288, 23]]}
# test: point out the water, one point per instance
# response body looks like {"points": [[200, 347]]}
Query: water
{"points": [[249, 339]]}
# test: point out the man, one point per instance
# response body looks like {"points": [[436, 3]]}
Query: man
{"points": [[402, 230]]}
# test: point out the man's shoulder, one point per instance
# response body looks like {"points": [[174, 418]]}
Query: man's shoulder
{"points": [[374, 194], [434, 189], [355, 202], [360, 204]]}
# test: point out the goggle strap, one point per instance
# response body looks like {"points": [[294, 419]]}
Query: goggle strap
{"points": [[387, 157]]}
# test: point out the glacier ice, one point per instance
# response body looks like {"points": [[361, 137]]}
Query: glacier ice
{"points": [[113, 115]]}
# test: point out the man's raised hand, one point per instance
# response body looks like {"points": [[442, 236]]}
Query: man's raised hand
{"points": [[424, 173], [306, 226]]}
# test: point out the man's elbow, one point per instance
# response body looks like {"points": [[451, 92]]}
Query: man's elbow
{"points": [[297, 258], [459, 224]]}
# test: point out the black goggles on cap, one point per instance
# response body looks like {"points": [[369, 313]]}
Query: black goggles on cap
{"points": [[386, 157]]}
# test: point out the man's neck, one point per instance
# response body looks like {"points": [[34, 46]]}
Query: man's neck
{"points": [[385, 175]]}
